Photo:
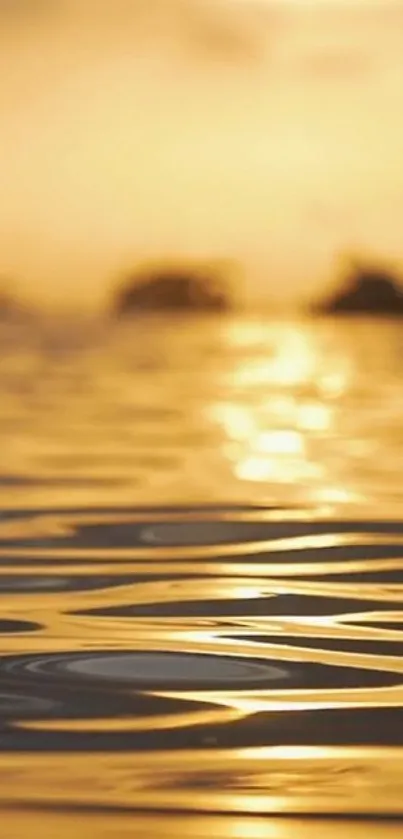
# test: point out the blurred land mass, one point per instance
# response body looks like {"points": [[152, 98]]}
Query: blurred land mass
{"points": [[364, 290], [175, 288], [13, 309]]}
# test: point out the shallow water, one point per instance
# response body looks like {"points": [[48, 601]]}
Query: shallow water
{"points": [[201, 556]]}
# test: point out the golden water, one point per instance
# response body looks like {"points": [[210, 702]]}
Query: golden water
{"points": [[201, 555]]}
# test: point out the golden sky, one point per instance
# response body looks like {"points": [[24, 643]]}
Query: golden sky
{"points": [[267, 130]]}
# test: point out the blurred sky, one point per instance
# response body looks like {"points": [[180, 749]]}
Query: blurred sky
{"points": [[267, 130]]}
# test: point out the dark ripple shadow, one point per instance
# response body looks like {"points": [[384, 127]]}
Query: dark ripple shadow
{"points": [[280, 604], [393, 577], [365, 646], [89, 690], [200, 528], [388, 625], [59, 481], [46, 583], [43, 699], [171, 671], [16, 626], [331, 727]]}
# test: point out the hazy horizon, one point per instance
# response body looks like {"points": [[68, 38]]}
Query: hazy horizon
{"points": [[268, 132]]}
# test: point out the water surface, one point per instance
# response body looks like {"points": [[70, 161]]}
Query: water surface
{"points": [[201, 555]]}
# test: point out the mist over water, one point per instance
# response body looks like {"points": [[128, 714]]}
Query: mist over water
{"points": [[201, 543]]}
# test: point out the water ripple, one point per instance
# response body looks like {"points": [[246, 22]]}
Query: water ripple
{"points": [[201, 574]]}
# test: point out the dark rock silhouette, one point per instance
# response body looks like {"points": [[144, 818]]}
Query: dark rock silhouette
{"points": [[366, 290], [181, 289]]}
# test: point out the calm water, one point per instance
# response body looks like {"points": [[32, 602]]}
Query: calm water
{"points": [[201, 556]]}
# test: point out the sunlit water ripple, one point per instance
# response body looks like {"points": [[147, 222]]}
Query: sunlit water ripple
{"points": [[201, 556]]}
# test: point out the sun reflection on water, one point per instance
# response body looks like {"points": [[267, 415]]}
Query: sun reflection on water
{"points": [[281, 409], [161, 655], [239, 410]]}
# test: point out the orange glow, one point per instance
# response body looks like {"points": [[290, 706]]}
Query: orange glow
{"points": [[280, 405], [270, 132]]}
